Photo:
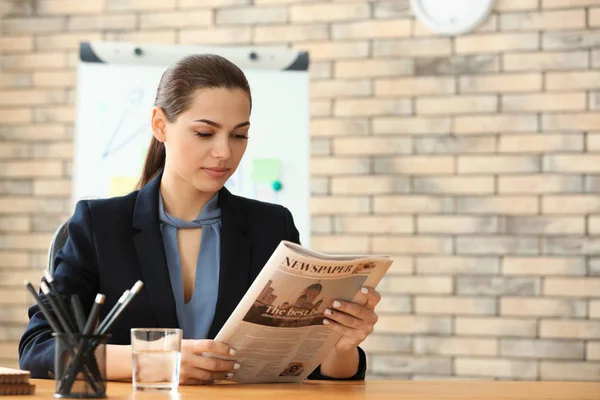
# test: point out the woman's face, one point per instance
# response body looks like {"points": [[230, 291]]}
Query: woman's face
{"points": [[205, 143]]}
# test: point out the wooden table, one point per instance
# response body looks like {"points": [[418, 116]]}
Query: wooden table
{"points": [[321, 390]]}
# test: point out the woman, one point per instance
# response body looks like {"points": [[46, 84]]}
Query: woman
{"points": [[196, 247]]}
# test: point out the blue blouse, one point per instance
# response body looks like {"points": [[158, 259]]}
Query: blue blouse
{"points": [[195, 317]]}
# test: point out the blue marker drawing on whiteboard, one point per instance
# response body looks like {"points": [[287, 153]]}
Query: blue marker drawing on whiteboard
{"points": [[119, 138]]}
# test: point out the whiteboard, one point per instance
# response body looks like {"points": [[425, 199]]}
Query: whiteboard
{"points": [[116, 87]]}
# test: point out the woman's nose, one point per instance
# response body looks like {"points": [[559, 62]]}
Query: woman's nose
{"points": [[221, 149]]}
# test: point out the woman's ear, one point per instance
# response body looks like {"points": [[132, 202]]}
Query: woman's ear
{"points": [[159, 124]]}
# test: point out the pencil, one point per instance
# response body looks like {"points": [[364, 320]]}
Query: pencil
{"points": [[61, 318], [78, 311], [132, 293], [59, 301], [113, 310], [47, 314], [91, 321]]}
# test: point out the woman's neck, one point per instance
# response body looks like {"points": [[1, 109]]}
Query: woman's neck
{"points": [[180, 199]]}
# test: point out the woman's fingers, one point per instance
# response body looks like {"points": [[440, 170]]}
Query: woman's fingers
{"points": [[195, 376], [197, 368], [208, 363], [373, 297], [209, 346]]}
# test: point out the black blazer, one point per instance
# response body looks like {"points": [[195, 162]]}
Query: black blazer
{"points": [[115, 242]]}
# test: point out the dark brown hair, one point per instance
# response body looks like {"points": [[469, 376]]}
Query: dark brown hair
{"points": [[175, 92]]}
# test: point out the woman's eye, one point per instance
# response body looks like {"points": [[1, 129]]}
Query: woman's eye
{"points": [[240, 136], [203, 134]]}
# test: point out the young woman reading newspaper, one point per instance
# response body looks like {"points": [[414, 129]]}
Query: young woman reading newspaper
{"points": [[196, 246]]}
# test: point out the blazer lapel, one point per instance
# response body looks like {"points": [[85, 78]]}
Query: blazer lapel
{"points": [[151, 254], [235, 260]]}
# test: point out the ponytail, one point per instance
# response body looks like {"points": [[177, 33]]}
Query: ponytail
{"points": [[155, 162]]}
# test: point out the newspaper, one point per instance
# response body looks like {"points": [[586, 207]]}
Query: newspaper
{"points": [[277, 328]]}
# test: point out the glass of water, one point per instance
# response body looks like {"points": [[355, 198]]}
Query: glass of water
{"points": [[156, 358]]}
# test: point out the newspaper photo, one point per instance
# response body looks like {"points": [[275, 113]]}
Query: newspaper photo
{"points": [[277, 328]]}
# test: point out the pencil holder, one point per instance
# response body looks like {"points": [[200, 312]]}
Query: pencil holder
{"points": [[80, 365]]}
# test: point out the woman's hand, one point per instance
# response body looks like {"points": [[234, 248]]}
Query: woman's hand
{"points": [[198, 369], [354, 322]]}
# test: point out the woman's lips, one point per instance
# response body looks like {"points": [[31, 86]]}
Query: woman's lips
{"points": [[216, 172]]}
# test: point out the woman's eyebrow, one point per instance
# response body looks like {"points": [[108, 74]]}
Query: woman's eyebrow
{"points": [[216, 125]]}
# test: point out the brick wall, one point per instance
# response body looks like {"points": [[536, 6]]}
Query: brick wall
{"points": [[475, 161]]}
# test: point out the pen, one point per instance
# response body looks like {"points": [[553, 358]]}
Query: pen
{"points": [[59, 301]]}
